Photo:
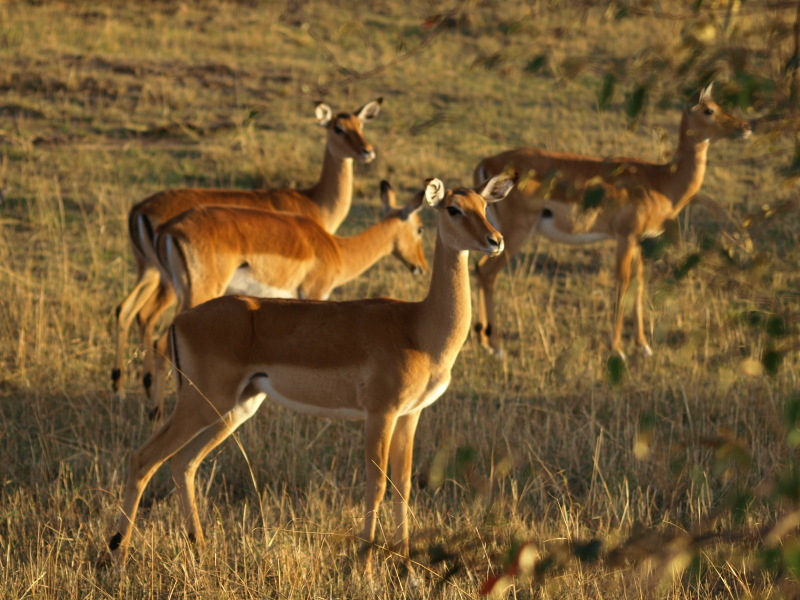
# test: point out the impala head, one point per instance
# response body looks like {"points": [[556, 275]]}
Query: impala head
{"points": [[345, 131], [408, 243], [706, 120], [462, 213]]}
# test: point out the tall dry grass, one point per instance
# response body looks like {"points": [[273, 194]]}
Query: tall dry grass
{"points": [[101, 106]]}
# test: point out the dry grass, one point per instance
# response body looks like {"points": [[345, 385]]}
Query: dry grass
{"points": [[101, 106]]}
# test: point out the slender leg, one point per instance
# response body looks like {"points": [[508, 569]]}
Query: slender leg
{"points": [[184, 465], [641, 339], [378, 434], [140, 295], [184, 424], [626, 253], [148, 319], [400, 456], [161, 355]]}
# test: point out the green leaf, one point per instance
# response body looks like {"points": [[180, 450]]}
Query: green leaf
{"points": [[606, 91], [690, 263], [535, 64], [588, 552], [593, 196], [772, 361], [615, 368], [635, 101], [776, 326]]}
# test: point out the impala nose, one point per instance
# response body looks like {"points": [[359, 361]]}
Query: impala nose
{"points": [[367, 155], [495, 243]]}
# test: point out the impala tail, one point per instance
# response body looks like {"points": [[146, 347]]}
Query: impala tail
{"points": [[171, 262]]}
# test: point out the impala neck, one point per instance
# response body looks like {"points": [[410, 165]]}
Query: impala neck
{"points": [[333, 193], [688, 168], [360, 252], [446, 311]]}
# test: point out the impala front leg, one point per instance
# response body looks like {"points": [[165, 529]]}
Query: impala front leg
{"points": [[401, 452], [626, 254], [379, 430]]}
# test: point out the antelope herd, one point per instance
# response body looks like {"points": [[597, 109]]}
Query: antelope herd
{"points": [[378, 360]]}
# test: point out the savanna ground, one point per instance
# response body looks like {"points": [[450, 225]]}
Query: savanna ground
{"points": [[665, 479]]}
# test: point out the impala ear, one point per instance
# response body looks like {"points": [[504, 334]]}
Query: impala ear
{"points": [[434, 192], [499, 186], [704, 95], [388, 197], [324, 113], [370, 110]]}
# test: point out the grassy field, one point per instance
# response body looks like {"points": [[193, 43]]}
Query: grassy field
{"points": [[662, 481]]}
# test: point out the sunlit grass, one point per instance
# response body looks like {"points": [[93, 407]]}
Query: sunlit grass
{"points": [[100, 107]]}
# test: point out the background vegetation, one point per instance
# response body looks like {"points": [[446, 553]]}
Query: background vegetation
{"points": [[551, 469]]}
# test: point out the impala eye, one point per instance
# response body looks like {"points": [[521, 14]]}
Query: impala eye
{"points": [[453, 211], [338, 129], [419, 231], [709, 111]]}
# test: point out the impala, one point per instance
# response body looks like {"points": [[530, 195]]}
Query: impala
{"points": [[211, 251], [655, 192], [328, 203], [377, 360]]}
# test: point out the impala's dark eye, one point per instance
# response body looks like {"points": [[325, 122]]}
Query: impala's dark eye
{"points": [[419, 231], [709, 111], [453, 211], [338, 129]]}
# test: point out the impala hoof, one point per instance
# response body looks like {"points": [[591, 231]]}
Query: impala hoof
{"points": [[647, 350]]}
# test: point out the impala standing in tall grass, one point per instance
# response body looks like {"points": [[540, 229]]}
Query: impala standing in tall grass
{"points": [[327, 202], [378, 360], [212, 251], [638, 197]]}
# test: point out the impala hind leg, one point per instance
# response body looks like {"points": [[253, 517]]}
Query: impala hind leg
{"points": [[183, 425], [138, 297], [627, 254], [148, 319], [187, 460], [401, 454], [378, 435]]}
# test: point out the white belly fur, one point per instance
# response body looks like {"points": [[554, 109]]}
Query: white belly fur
{"points": [[243, 283], [548, 229], [351, 414]]}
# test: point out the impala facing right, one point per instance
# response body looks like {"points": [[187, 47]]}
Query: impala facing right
{"points": [[377, 360], [628, 199]]}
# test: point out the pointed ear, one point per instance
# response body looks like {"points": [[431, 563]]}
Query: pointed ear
{"points": [[498, 186], [324, 113], [388, 197], [370, 110], [434, 192], [704, 95]]}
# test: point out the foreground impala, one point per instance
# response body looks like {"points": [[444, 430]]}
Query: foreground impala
{"points": [[211, 251], [546, 173], [379, 360], [328, 203]]}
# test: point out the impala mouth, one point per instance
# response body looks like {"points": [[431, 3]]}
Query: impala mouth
{"points": [[367, 156]]}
